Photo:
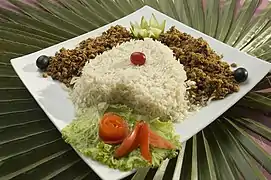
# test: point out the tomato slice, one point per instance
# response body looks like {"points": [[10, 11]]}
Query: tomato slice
{"points": [[159, 142], [113, 129], [130, 143], [144, 142], [143, 137]]}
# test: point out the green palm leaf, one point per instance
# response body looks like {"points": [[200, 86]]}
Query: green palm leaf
{"points": [[223, 150], [99, 10], [262, 49], [211, 17], [180, 6], [35, 41], [252, 148], [167, 6], [244, 16], [136, 3], [226, 16], [50, 19], [196, 13], [35, 24], [6, 56], [224, 165], [258, 101], [210, 174], [262, 38], [26, 30], [256, 127], [126, 6], [16, 47], [113, 7], [84, 12], [253, 28], [238, 155], [153, 4], [72, 17]]}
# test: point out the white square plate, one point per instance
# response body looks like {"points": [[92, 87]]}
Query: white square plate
{"points": [[54, 100]]}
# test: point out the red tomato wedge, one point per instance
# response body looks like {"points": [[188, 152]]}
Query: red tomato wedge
{"points": [[130, 143], [144, 142], [159, 142], [113, 129], [143, 137]]}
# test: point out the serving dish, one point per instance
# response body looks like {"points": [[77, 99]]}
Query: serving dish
{"points": [[55, 102]]}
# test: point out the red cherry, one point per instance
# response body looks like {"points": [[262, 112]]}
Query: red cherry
{"points": [[138, 58]]}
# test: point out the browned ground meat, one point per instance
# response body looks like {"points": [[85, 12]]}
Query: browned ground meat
{"points": [[213, 77], [68, 63]]}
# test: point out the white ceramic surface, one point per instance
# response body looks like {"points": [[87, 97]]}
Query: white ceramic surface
{"points": [[55, 103]]}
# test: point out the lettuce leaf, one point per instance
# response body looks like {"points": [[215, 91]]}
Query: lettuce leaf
{"points": [[82, 134]]}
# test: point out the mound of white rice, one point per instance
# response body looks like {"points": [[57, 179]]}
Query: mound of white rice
{"points": [[157, 88]]}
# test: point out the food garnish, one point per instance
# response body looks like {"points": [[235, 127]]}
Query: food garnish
{"points": [[241, 75], [138, 58], [159, 142], [130, 143], [43, 62], [113, 129], [152, 29], [142, 137], [83, 134]]}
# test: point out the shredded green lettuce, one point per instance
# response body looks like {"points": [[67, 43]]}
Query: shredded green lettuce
{"points": [[82, 134]]}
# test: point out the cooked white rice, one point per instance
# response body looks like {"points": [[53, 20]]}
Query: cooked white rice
{"points": [[157, 88]]}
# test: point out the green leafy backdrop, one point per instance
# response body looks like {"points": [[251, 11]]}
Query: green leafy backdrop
{"points": [[32, 148]]}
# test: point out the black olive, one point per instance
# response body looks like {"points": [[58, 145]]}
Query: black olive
{"points": [[240, 75], [43, 62]]}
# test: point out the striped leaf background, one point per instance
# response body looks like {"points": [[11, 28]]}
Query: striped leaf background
{"points": [[236, 146]]}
